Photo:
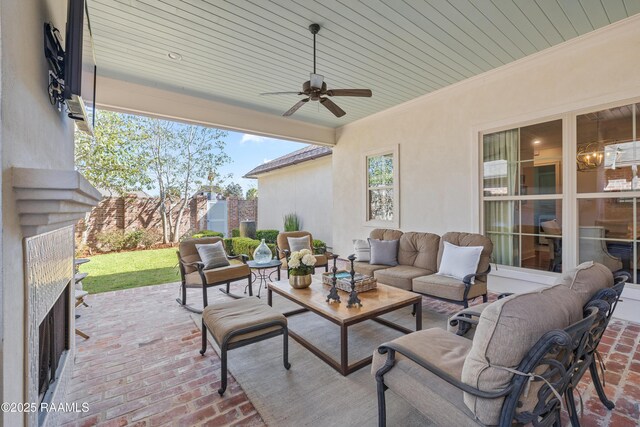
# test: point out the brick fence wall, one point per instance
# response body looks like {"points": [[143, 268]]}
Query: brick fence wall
{"points": [[132, 213], [240, 210]]}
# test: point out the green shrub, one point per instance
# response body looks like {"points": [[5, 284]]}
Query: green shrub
{"points": [[319, 247], [207, 233], [235, 232], [291, 222], [246, 246], [150, 237], [269, 236], [120, 240], [228, 246]]}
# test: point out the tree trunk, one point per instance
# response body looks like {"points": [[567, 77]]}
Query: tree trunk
{"points": [[178, 224], [165, 228]]}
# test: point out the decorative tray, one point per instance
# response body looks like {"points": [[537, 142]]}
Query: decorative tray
{"points": [[363, 283]]}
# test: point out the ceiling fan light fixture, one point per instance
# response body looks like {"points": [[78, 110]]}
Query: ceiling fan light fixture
{"points": [[316, 80], [315, 88]]}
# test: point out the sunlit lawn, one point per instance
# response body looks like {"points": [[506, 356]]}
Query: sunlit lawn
{"points": [[123, 270]]}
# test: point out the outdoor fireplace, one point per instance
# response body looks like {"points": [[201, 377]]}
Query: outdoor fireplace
{"points": [[50, 324], [53, 339]]}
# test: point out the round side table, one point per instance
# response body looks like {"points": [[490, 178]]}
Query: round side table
{"points": [[259, 272]]}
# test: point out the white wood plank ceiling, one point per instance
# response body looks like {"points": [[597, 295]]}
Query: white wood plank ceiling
{"points": [[401, 49]]}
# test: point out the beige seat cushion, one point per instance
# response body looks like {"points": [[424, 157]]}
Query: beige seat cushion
{"points": [[235, 271], [399, 276], [419, 250], [226, 317], [507, 331], [435, 398], [366, 268], [189, 253], [587, 279], [447, 287]]}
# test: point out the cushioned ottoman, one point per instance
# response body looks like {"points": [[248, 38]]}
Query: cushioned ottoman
{"points": [[240, 322]]}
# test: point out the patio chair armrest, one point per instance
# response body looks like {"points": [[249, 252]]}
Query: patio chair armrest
{"points": [[183, 263], [464, 322], [467, 279], [622, 276], [391, 348]]}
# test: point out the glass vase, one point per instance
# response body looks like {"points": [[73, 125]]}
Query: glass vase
{"points": [[262, 254]]}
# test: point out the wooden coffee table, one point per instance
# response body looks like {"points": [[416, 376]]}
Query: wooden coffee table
{"points": [[374, 304]]}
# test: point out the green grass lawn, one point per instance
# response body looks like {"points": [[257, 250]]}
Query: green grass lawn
{"points": [[123, 270]]}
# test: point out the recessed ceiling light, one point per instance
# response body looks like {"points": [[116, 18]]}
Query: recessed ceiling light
{"points": [[536, 141], [175, 56]]}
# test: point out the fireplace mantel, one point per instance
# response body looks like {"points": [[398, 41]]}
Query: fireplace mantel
{"points": [[50, 199]]}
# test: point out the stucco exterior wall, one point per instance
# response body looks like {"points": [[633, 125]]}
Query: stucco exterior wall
{"points": [[438, 133], [305, 189], [438, 138], [34, 134]]}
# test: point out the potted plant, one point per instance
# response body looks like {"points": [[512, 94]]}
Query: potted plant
{"points": [[300, 264]]}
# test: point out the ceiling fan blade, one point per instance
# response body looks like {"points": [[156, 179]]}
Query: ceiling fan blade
{"points": [[282, 93], [316, 80], [350, 92], [293, 109], [331, 106]]}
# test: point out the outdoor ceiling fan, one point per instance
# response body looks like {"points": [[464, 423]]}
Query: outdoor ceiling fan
{"points": [[315, 89]]}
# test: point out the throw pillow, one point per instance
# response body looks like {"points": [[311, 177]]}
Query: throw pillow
{"points": [[384, 252], [459, 261], [212, 255], [362, 250], [299, 243]]}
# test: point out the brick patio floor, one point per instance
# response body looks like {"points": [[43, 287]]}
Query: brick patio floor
{"points": [[142, 367]]}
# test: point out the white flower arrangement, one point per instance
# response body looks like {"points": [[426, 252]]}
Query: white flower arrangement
{"points": [[301, 262]]}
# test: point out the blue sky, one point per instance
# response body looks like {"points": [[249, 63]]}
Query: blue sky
{"points": [[248, 151]]}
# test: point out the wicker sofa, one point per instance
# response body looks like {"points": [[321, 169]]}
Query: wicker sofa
{"points": [[419, 256]]}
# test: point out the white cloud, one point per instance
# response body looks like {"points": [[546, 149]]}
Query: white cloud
{"points": [[266, 160], [253, 138]]}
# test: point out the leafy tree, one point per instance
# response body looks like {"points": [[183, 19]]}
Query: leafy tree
{"points": [[252, 193], [113, 160], [233, 190], [132, 152], [181, 159]]}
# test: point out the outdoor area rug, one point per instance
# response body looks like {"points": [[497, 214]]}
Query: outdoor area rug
{"points": [[311, 393]]}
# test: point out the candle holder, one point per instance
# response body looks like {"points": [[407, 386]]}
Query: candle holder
{"points": [[353, 295], [333, 293]]}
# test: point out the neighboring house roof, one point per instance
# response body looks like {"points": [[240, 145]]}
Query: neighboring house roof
{"points": [[305, 154]]}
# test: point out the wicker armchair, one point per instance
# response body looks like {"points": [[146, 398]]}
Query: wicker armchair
{"points": [[193, 274]]}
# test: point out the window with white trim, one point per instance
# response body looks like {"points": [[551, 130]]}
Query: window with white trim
{"points": [[382, 188], [522, 195], [608, 187]]}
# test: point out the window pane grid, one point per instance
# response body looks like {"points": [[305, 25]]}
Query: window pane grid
{"points": [[522, 189]]}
